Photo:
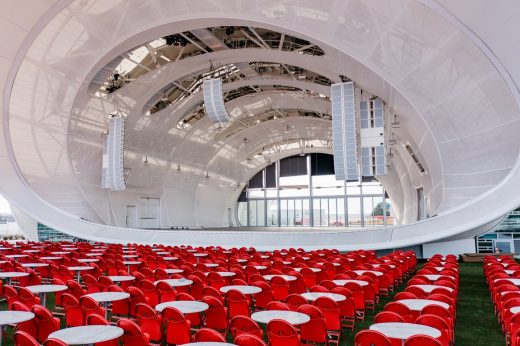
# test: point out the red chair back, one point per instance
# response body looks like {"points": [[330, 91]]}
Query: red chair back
{"points": [[132, 334], [246, 339], [177, 327], [282, 333], [371, 338], [208, 335], [22, 338]]}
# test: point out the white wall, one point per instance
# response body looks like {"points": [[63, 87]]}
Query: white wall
{"points": [[455, 247]]}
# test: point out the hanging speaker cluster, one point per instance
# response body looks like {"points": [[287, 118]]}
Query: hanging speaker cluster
{"points": [[113, 173], [344, 133], [356, 127], [214, 101]]}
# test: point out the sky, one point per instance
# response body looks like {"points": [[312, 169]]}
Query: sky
{"points": [[4, 206]]}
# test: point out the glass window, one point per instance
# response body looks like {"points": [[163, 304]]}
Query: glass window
{"points": [[316, 212], [354, 211], [332, 212], [340, 217], [272, 212], [242, 213], [290, 212], [324, 210], [252, 213], [283, 212], [298, 212], [306, 213], [260, 213]]}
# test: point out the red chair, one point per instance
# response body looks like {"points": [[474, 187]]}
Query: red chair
{"points": [[388, 316], [359, 299], [314, 331], [347, 308], [294, 301], [438, 323], [24, 339], [216, 280], [177, 327], [45, 322], [265, 296], [275, 305], [55, 342], [74, 316], [438, 311], [149, 291], [331, 312], [90, 306], [416, 291], [165, 291], [119, 307], [96, 320], [246, 339], [280, 288], [104, 282], [27, 297], [282, 333], [422, 340], [371, 338], [91, 283], [149, 321], [11, 295], [136, 297], [238, 304], [401, 310], [404, 295], [75, 289], [216, 315], [208, 335], [28, 327], [193, 318], [132, 334], [309, 277], [243, 324]]}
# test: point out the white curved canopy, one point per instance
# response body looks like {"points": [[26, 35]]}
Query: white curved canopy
{"points": [[450, 74]]}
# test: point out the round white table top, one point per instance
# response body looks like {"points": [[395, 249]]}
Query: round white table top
{"points": [[241, 260], [515, 309], [80, 268], [258, 267], [93, 254], [433, 277], [13, 317], [60, 252], [16, 256], [171, 258], [442, 268], [344, 282], [200, 254], [429, 288], [515, 282], [177, 282], [292, 317], [379, 265], [403, 331], [162, 253], [47, 288], [69, 248], [50, 258], [34, 265], [31, 251], [315, 270], [13, 274], [211, 265], [4, 248], [361, 272], [88, 260], [419, 304], [173, 270], [223, 274], [108, 296], [128, 263], [130, 256], [87, 334], [285, 277], [208, 343], [184, 306], [242, 288], [264, 256], [509, 272], [312, 296], [121, 278]]}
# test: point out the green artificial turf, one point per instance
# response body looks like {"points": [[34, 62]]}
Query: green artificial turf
{"points": [[476, 323]]}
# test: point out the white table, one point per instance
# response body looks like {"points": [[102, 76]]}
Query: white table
{"points": [[399, 330], [344, 282], [223, 274], [60, 252], [171, 258], [13, 317], [79, 269], [173, 271], [292, 317], [50, 258], [35, 265], [211, 265], [509, 272], [429, 288], [10, 275], [515, 282], [515, 309], [130, 263], [419, 304], [312, 296], [121, 278], [176, 282], [434, 277], [285, 277], [31, 251], [105, 297], [314, 270], [199, 255], [242, 288], [88, 260], [208, 343], [87, 335], [130, 256], [16, 256], [184, 306], [162, 253], [42, 291], [375, 272]]}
